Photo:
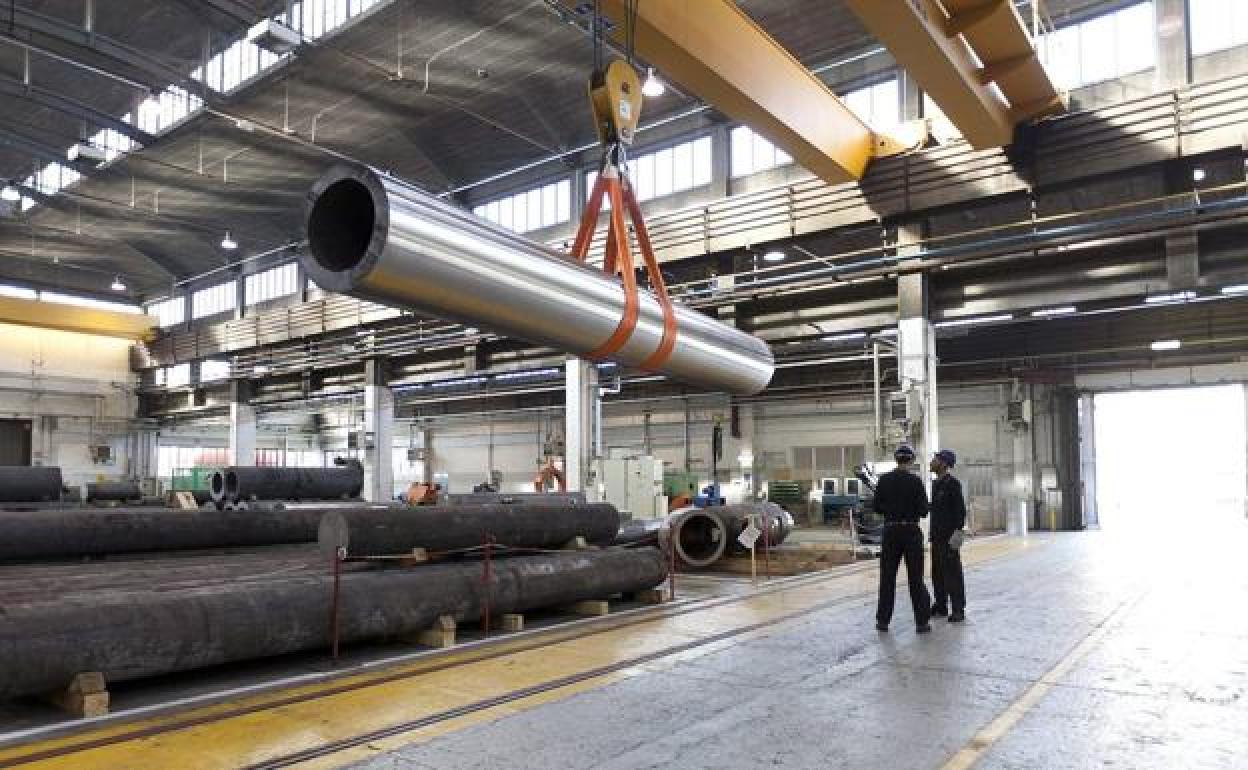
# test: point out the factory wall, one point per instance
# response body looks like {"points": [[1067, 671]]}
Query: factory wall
{"points": [[1001, 466], [77, 390]]}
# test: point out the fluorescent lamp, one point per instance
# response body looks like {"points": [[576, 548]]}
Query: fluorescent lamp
{"points": [[1198, 175], [990, 319], [775, 255], [653, 87], [1166, 345], [1238, 289], [228, 243], [21, 292], [10, 194], [1178, 296], [844, 337], [118, 284], [1052, 311]]}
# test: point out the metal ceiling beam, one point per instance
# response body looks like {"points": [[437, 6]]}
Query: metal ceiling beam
{"points": [[942, 44], [33, 147], [23, 20], [63, 104], [717, 52], [87, 320], [61, 203], [927, 46], [235, 9]]}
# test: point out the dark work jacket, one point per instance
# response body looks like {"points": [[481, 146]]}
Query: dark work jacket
{"points": [[948, 508], [900, 496]]}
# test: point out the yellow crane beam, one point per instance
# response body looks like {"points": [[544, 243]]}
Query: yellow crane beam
{"points": [[717, 52], [72, 318], [974, 57]]}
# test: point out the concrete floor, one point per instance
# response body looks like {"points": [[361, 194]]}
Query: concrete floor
{"points": [[1083, 650]]}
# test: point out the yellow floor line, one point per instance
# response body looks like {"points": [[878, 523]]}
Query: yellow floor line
{"points": [[270, 729], [974, 751]]}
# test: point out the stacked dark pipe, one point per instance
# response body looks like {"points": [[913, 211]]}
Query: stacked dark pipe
{"points": [[144, 633], [241, 483], [30, 484]]}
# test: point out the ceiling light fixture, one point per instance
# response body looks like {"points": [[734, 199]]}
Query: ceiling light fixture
{"points": [[1052, 311], [1238, 289], [10, 193], [653, 87], [228, 243], [1166, 345], [118, 284], [775, 255], [844, 337], [1178, 296], [972, 321], [1198, 175]]}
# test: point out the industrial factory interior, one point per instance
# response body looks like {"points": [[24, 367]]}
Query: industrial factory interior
{"points": [[855, 384]]}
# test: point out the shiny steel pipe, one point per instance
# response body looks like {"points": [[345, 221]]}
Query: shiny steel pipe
{"points": [[375, 238]]}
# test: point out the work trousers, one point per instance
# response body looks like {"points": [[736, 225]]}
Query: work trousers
{"points": [[902, 541], [947, 581]]}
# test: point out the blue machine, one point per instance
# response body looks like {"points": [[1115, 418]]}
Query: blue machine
{"points": [[709, 497]]}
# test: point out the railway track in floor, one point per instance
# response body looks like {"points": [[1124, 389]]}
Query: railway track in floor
{"points": [[472, 652]]}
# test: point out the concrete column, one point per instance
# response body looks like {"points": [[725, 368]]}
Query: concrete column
{"points": [[916, 347], [1087, 457], [242, 424], [721, 163], [911, 97], [1174, 44], [581, 415], [1182, 260], [378, 432], [240, 295]]}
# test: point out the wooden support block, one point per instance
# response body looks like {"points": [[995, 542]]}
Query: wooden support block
{"points": [[657, 595], [512, 621], [417, 556], [85, 696], [441, 635], [591, 607], [184, 501]]}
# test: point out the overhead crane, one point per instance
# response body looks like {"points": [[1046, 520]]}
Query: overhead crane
{"points": [[975, 58]]}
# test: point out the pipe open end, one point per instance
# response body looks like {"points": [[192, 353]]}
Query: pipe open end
{"points": [[700, 539], [340, 225]]}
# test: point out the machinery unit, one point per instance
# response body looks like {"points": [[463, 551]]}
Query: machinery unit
{"points": [[634, 485]]}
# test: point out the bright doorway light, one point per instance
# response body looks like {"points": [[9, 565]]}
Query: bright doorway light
{"points": [[1170, 460]]}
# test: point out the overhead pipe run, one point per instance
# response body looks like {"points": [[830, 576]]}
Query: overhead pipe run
{"points": [[375, 238]]}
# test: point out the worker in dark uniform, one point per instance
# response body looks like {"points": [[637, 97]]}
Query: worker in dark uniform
{"points": [[948, 521], [900, 497]]}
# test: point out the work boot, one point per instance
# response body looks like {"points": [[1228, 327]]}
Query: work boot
{"points": [[926, 628], [957, 617], [939, 611]]}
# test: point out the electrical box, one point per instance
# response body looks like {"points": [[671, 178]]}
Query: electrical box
{"points": [[416, 455], [903, 407], [634, 485], [101, 454], [1018, 412]]}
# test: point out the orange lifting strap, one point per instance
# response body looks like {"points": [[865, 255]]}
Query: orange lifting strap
{"points": [[613, 185]]}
